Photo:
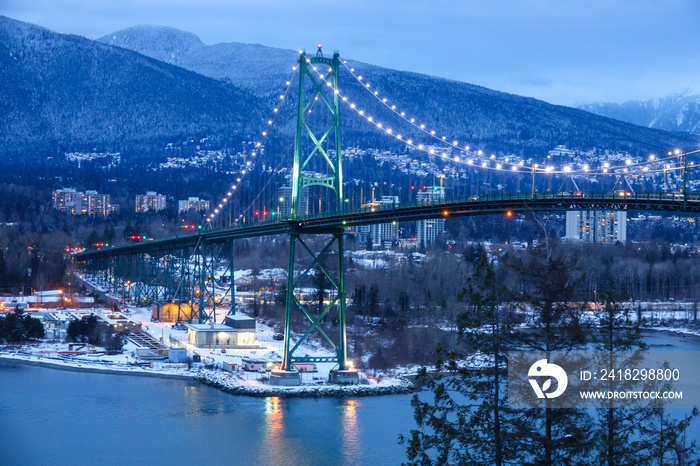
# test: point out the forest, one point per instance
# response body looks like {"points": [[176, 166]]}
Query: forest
{"points": [[466, 417]]}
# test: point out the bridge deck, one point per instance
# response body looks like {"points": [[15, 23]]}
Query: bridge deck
{"points": [[453, 207]]}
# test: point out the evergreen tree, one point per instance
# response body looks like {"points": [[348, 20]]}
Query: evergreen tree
{"points": [[485, 327], [547, 282], [467, 421], [321, 284], [18, 327], [618, 440], [635, 435], [3, 269], [665, 439], [359, 299], [83, 330], [113, 342], [34, 328]]}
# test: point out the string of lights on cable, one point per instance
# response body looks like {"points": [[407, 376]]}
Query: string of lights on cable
{"points": [[259, 147], [279, 165], [479, 160]]}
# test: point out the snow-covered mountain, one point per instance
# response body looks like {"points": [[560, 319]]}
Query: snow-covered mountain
{"points": [[152, 85], [65, 91], [257, 68], [677, 112], [471, 113]]}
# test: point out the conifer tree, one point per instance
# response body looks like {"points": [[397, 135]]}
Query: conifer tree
{"points": [[618, 440], [547, 282], [467, 421]]}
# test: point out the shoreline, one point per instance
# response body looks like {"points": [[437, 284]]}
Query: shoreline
{"points": [[224, 382], [93, 369]]}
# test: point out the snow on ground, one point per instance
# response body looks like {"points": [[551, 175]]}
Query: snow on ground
{"points": [[236, 382], [381, 259], [263, 274], [93, 359]]}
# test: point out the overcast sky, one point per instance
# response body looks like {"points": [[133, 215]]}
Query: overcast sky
{"points": [[563, 51]]}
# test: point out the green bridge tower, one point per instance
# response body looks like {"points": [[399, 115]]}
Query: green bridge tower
{"points": [[318, 82]]}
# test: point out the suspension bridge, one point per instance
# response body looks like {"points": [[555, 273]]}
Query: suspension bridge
{"points": [[186, 269]]}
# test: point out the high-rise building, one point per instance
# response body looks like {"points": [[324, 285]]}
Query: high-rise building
{"points": [[192, 203], [597, 226], [284, 198], [150, 202], [381, 235], [94, 203], [74, 202], [64, 200], [427, 231]]}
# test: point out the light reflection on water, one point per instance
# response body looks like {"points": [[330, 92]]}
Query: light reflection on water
{"points": [[352, 446], [177, 422], [273, 441]]}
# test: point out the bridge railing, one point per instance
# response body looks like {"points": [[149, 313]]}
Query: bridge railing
{"points": [[485, 198], [612, 196]]}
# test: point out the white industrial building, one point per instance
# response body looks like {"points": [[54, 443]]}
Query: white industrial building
{"points": [[238, 332]]}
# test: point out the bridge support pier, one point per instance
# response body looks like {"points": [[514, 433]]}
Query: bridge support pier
{"points": [[347, 377], [285, 378], [322, 318]]}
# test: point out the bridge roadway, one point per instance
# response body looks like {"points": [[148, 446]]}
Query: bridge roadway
{"points": [[445, 208]]}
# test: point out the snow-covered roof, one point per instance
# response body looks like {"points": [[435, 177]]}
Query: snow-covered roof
{"points": [[211, 328]]}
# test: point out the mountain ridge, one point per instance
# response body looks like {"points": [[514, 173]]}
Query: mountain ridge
{"points": [[517, 122], [676, 112], [66, 91]]}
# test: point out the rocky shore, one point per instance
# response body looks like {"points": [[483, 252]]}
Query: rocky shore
{"points": [[239, 387]]}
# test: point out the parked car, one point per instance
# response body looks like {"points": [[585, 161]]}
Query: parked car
{"points": [[278, 337]]}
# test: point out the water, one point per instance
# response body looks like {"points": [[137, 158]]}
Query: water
{"points": [[57, 417]]}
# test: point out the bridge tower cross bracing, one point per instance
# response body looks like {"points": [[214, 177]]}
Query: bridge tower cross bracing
{"points": [[333, 248], [301, 161]]}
